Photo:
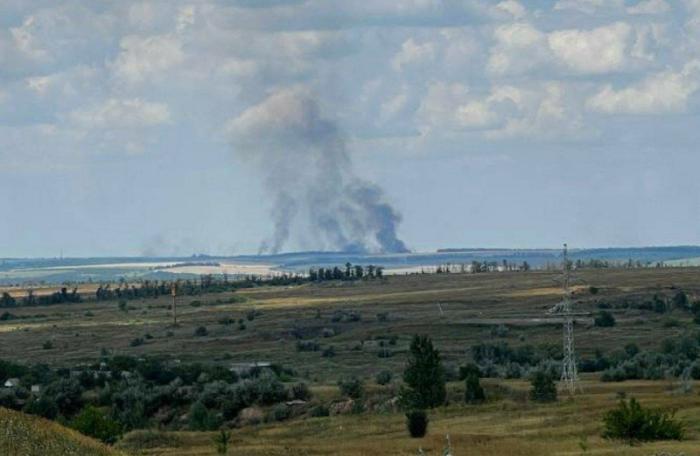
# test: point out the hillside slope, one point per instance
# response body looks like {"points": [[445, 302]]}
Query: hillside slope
{"points": [[27, 435]]}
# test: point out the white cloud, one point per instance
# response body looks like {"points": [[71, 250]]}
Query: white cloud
{"points": [[452, 106], [599, 50], [513, 8], [39, 84], [664, 92], [545, 113], [142, 58], [118, 114], [411, 53], [519, 47], [23, 37], [586, 6], [649, 7]]}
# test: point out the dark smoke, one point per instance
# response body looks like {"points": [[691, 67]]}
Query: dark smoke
{"points": [[317, 199]]}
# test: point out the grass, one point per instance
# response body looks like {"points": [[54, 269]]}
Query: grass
{"points": [[507, 426], [26, 435], [471, 305]]}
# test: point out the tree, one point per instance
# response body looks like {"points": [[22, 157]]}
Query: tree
{"points": [[631, 422], [604, 319], [474, 393], [93, 423], [417, 423], [543, 387], [424, 376]]}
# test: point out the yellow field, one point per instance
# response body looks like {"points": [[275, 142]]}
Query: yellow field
{"points": [[511, 426]]}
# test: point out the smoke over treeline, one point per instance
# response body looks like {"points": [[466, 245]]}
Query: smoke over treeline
{"points": [[317, 199]]}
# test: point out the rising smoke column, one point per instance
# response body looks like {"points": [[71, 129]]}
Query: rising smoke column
{"points": [[317, 198]]}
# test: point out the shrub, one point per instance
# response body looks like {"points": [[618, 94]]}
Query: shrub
{"points": [[48, 345], [320, 411], [43, 406], [279, 412], [201, 331], [93, 423], [221, 441], [604, 319], [424, 376], [301, 391], [328, 352], [593, 290], [383, 377], [307, 345], [469, 369], [196, 303], [631, 422], [543, 387], [473, 393], [137, 342], [417, 423], [351, 387], [201, 419]]}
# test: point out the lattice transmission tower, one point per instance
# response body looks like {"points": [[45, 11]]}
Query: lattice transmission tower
{"points": [[569, 372]]}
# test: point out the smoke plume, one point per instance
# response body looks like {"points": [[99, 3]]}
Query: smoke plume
{"points": [[317, 199]]}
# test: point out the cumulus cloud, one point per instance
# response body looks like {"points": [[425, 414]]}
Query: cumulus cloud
{"points": [[115, 113], [412, 52], [513, 8], [587, 6], [665, 92], [142, 58], [519, 47], [599, 50], [649, 7]]}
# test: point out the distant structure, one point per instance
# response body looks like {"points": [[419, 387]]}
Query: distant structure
{"points": [[569, 372], [173, 292]]}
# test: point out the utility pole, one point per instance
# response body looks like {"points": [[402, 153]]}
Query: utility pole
{"points": [[173, 292], [569, 371]]}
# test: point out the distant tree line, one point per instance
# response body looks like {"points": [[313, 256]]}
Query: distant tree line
{"points": [[350, 272], [31, 299]]}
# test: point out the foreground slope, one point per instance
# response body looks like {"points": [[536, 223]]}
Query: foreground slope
{"points": [[27, 435]]}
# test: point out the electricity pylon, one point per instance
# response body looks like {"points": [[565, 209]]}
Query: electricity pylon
{"points": [[569, 372]]}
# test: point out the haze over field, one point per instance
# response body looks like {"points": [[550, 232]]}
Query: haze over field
{"points": [[165, 128]]}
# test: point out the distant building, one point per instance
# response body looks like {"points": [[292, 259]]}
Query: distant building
{"points": [[12, 383], [36, 389]]}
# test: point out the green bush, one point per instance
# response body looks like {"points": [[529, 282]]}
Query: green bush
{"points": [[93, 423], [301, 391], [320, 411], [279, 412], [473, 393], [201, 419], [632, 423], [351, 387], [383, 377], [417, 423], [543, 387], [604, 319], [201, 332]]}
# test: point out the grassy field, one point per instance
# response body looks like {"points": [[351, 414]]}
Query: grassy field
{"points": [[456, 310], [509, 425]]}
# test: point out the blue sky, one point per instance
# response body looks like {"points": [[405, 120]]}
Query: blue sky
{"points": [[133, 128]]}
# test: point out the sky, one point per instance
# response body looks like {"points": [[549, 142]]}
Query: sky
{"points": [[173, 127]]}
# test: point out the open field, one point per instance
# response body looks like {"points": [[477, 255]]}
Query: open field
{"points": [[456, 310], [509, 426]]}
